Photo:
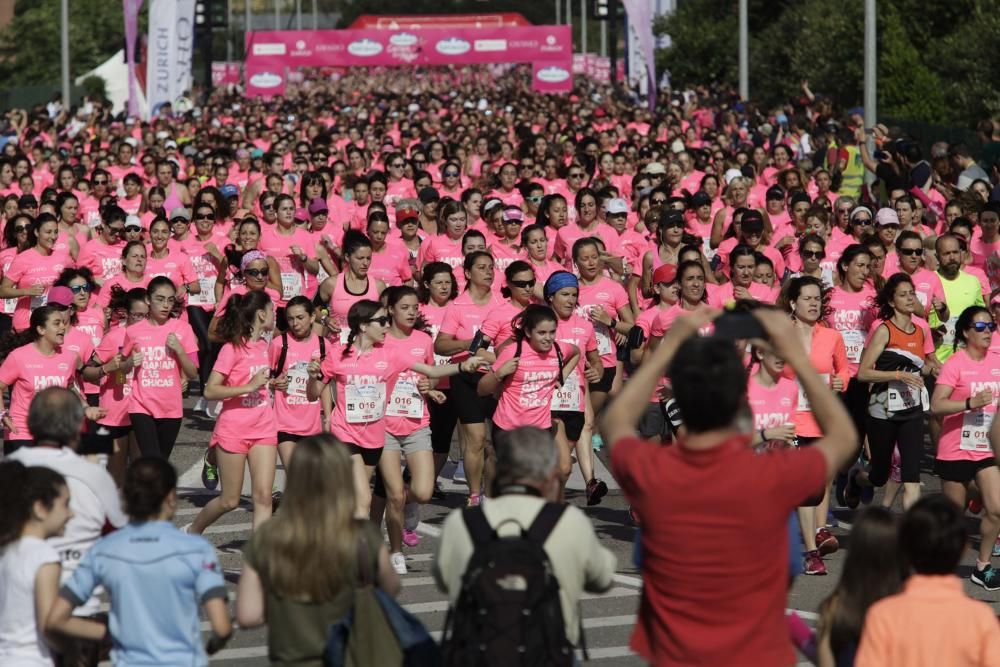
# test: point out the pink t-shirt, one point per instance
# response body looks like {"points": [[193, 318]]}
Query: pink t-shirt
{"points": [[543, 271], [406, 410], [205, 266], [526, 397], [293, 411], [121, 280], [611, 296], [105, 261], [441, 248], [772, 406], [497, 325], [176, 265], [279, 247], [434, 316], [504, 255], [27, 371], [645, 323], [361, 382], [852, 315], [32, 268], [464, 318], [576, 331], [723, 294], [156, 383], [7, 256], [250, 416], [391, 265], [965, 435], [115, 387], [570, 234], [927, 285]]}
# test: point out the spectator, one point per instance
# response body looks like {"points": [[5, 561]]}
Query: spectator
{"points": [[156, 577], [299, 564], [528, 477], [932, 621], [700, 606], [55, 419], [871, 572]]}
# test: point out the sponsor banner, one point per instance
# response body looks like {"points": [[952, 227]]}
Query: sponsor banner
{"points": [[131, 10], [265, 78], [412, 46], [170, 50], [552, 77], [225, 74], [640, 23]]}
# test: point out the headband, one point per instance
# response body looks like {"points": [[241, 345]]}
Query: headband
{"points": [[250, 256], [559, 280], [861, 209]]}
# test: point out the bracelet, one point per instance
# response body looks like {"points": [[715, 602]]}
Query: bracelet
{"points": [[614, 323], [968, 403], [762, 436]]}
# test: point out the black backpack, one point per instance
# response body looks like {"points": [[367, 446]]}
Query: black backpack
{"points": [[508, 612], [283, 355]]}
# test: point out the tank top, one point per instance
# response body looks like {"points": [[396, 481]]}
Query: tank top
{"points": [[173, 200], [889, 400], [343, 299]]}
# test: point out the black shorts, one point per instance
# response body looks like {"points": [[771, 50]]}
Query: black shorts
{"points": [[812, 501], [962, 472], [117, 431], [11, 446], [470, 406], [653, 422], [572, 422], [604, 384], [369, 457], [285, 436]]}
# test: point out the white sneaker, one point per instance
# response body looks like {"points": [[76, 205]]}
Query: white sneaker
{"points": [[213, 409], [398, 563], [186, 528], [200, 404], [411, 516], [459, 474]]}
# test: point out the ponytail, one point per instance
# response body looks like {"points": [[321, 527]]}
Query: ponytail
{"points": [[236, 324], [13, 340], [360, 313], [20, 488]]}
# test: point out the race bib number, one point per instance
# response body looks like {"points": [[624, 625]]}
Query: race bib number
{"points": [[441, 360], [976, 429], [902, 396], [207, 295], [854, 341], [291, 285], [406, 400], [604, 345], [803, 405], [298, 377], [364, 403], [9, 306], [567, 397], [39, 301], [949, 331]]}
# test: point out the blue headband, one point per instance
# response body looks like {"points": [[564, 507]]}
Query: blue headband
{"points": [[559, 280]]}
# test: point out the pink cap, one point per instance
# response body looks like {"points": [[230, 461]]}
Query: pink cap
{"points": [[60, 296]]}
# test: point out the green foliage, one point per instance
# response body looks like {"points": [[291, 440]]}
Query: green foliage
{"points": [[94, 87], [937, 61], [29, 45]]}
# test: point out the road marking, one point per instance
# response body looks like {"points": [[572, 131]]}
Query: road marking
{"points": [[626, 579], [428, 530], [604, 653]]}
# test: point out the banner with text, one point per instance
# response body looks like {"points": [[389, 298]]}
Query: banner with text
{"points": [[170, 50], [548, 48]]}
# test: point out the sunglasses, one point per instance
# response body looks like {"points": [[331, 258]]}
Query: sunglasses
{"points": [[983, 326], [535, 200], [451, 174], [260, 274], [204, 216], [527, 166], [813, 254], [102, 182], [76, 289], [22, 228], [381, 321], [576, 175], [910, 252], [397, 165], [861, 222], [657, 202], [116, 231], [523, 284]]}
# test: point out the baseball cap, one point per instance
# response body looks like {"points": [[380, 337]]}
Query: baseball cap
{"points": [[229, 190], [616, 206], [732, 174], [775, 192], [317, 206], [406, 213], [133, 221], [752, 221], [301, 214], [180, 213], [886, 216], [60, 296], [665, 273], [513, 215], [799, 197], [256, 153], [655, 168], [700, 198]]}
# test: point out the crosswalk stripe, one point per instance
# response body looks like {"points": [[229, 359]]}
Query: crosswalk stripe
{"points": [[603, 653]]}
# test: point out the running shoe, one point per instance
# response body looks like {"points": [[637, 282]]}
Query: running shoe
{"points": [[596, 441], [209, 473], [987, 577], [474, 500], [996, 547], [596, 489], [438, 493], [213, 409], [410, 537], [459, 475], [411, 516], [826, 542], [633, 516], [814, 564], [276, 497], [199, 404], [398, 563], [975, 505]]}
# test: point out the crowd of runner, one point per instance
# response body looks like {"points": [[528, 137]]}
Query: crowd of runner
{"points": [[392, 259]]}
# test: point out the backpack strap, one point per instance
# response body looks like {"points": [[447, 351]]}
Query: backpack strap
{"points": [[322, 348], [479, 528], [545, 522], [282, 357]]}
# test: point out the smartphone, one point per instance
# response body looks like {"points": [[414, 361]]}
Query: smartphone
{"points": [[880, 155], [738, 326], [477, 342]]}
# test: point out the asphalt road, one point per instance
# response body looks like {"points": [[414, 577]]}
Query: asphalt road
{"points": [[608, 619]]}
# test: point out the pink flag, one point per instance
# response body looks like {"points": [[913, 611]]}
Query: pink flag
{"points": [[131, 10], [640, 18]]}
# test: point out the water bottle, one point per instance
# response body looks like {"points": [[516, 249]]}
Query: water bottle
{"points": [[120, 374]]}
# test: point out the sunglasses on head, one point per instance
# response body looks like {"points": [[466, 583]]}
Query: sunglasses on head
{"points": [[381, 321], [76, 289], [983, 326], [910, 252], [255, 273], [523, 284], [813, 254]]}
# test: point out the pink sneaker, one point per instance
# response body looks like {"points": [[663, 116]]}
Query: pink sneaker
{"points": [[474, 500], [410, 538]]}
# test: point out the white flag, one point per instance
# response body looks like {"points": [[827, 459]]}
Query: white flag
{"points": [[170, 51]]}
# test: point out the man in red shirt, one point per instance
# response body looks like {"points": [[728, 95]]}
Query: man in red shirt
{"points": [[702, 604]]}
